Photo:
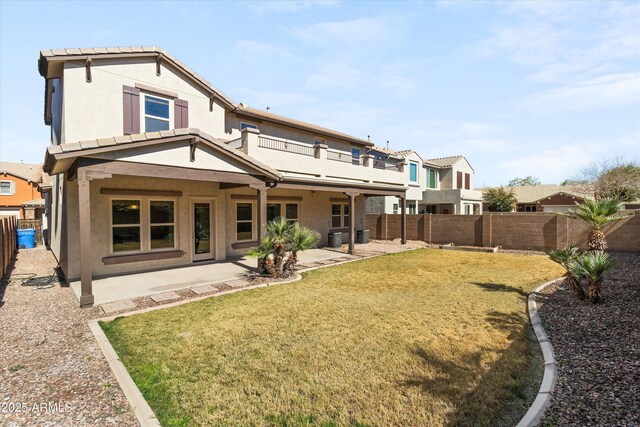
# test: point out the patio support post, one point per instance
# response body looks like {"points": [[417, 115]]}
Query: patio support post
{"points": [[352, 221], [84, 217], [403, 220], [262, 210]]}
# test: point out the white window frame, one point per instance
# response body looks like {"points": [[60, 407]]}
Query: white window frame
{"points": [[12, 188], [343, 208], [252, 220], [396, 208], [145, 224], [467, 209], [412, 208], [112, 225], [356, 159], [436, 181], [417, 181], [143, 114], [174, 223]]}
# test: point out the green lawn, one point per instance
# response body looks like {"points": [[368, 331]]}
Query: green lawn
{"points": [[426, 337]]}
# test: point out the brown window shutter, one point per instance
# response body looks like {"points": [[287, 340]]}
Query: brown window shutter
{"points": [[181, 114], [459, 180], [467, 181], [131, 110]]}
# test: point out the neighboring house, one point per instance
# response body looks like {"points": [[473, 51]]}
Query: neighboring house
{"points": [[19, 190], [546, 197], [440, 186], [153, 167]]}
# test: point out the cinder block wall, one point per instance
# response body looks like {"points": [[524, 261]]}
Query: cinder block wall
{"points": [[536, 231]]}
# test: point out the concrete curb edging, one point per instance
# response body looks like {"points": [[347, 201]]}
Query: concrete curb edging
{"points": [[543, 399], [141, 408]]}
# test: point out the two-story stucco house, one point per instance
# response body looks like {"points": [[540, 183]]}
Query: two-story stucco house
{"points": [[439, 186], [153, 167]]}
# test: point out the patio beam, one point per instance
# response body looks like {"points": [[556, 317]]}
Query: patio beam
{"points": [[84, 217]]}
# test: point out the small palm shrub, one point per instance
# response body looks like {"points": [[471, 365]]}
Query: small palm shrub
{"points": [[592, 266], [566, 257], [597, 213], [277, 252]]}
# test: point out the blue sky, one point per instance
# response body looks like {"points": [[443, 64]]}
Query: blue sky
{"points": [[531, 88]]}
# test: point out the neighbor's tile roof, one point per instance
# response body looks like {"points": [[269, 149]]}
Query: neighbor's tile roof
{"points": [[533, 193], [393, 153], [29, 171], [444, 162]]}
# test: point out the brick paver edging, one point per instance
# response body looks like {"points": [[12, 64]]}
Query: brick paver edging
{"points": [[543, 399]]}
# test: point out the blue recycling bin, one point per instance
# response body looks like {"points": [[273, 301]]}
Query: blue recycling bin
{"points": [[26, 238]]}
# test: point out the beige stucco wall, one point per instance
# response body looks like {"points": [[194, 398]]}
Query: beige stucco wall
{"points": [[314, 212], [95, 110]]}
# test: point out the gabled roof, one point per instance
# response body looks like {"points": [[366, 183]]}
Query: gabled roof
{"points": [[243, 110], [392, 153], [68, 152], [27, 171], [51, 60], [445, 162], [49, 57]]}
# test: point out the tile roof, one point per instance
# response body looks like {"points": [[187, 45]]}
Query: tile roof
{"points": [[29, 171], [254, 112], [444, 162], [393, 153], [533, 193], [47, 55], [54, 151], [34, 202]]}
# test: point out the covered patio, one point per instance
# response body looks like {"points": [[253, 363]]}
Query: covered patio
{"points": [[134, 285]]}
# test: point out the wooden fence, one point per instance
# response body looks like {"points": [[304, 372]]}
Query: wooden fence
{"points": [[32, 223], [8, 242]]}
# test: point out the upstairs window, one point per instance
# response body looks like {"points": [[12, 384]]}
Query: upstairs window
{"points": [[244, 125], [467, 181], [156, 114], [7, 188], [432, 178], [413, 172], [355, 156]]}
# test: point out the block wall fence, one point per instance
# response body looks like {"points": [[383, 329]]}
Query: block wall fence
{"points": [[537, 231]]}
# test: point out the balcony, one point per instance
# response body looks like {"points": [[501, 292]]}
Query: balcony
{"points": [[303, 160]]}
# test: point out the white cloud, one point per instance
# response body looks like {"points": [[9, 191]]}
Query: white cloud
{"points": [[608, 91], [291, 5], [369, 31], [255, 48]]}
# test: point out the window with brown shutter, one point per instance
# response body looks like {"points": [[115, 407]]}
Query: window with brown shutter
{"points": [[459, 179], [467, 181], [181, 113], [131, 110]]}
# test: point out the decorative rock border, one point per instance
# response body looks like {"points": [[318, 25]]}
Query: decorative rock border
{"points": [[543, 399]]}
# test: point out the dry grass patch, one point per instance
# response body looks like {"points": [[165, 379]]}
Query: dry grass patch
{"points": [[425, 337]]}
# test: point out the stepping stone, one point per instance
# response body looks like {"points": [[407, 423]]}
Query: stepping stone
{"points": [[239, 283], [113, 307], [204, 289], [165, 296]]}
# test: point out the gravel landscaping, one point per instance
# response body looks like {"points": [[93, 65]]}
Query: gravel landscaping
{"points": [[53, 372], [597, 348]]}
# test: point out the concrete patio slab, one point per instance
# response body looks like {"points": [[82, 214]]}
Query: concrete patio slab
{"points": [[136, 285]]}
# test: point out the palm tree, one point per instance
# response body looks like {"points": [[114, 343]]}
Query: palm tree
{"points": [[263, 252], [592, 266], [301, 238], [280, 231], [567, 258], [597, 213]]}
